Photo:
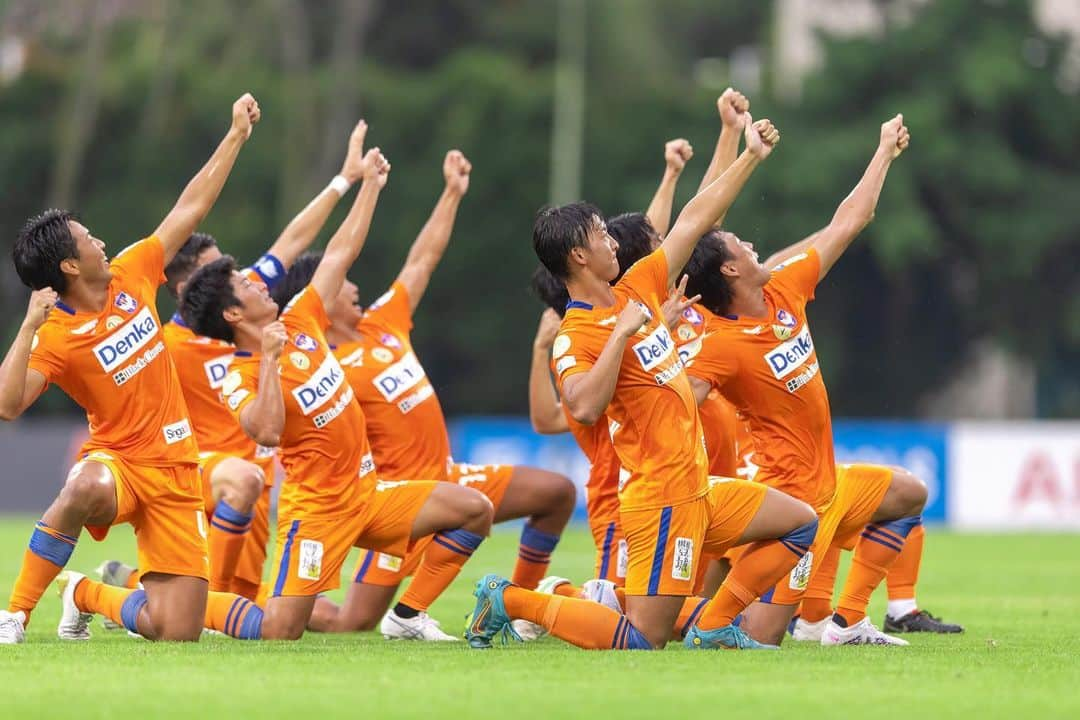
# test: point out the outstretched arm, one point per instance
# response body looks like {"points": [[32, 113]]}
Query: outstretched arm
{"points": [[298, 235], [702, 213], [428, 248], [202, 191], [857, 209], [791, 251], [545, 410], [19, 385], [348, 241], [732, 106], [676, 154]]}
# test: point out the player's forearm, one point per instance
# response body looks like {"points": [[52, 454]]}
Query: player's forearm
{"points": [[545, 413], [791, 251], [727, 149], [589, 397], [430, 246], [857, 209], [302, 230], [345, 246], [659, 212], [13, 374], [264, 419]]}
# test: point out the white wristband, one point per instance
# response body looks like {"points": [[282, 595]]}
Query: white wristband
{"points": [[340, 185]]}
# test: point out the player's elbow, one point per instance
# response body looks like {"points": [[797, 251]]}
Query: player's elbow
{"points": [[8, 414], [267, 438], [584, 413], [546, 425]]}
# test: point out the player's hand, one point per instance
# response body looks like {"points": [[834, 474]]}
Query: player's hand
{"points": [[632, 317], [733, 106], [761, 137], [676, 303], [273, 339], [41, 304], [245, 114], [895, 136], [677, 153], [547, 330], [376, 168], [353, 167], [456, 169]]}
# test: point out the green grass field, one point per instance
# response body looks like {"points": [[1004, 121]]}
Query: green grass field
{"points": [[1019, 597]]}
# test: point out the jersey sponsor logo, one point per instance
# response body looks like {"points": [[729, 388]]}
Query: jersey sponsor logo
{"points": [[665, 376], [261, 452], [382, 355], [789, 261], [126, 303], [87, 327], [411, 401], [560, 346], [682, 562], [622, 559], [685, 332], [323, 419], [217, 371], [787, 357], [655, 348], [353, 359], [800, 574], [786, 319], [399, 378], [306, 342], [367, 466], [802, 378], [121, 346], [564, 364], [309, 563], [236, 398], [693, 316], [177, 431], [299, 360], [391, 563], [320, 387], [390, 341], [123, 375]]}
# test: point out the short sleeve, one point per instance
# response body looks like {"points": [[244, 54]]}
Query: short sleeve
{"points": [[648, 277], [390, 311], [142, 261], [306, 306], [799, 274], [574, 351], [268, 269], [47, 355], [714, 363], [238, 389]]}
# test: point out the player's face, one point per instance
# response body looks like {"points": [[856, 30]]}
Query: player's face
{"points": [[601, 248], [256, 304], [93, 263], [745, 260], [346, 309]]}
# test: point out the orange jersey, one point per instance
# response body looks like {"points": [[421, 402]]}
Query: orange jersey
{"points": [[203, 364], [768, 368], [405, 421], [654, 420], [602, 488], [324, 449], [115, 366]]}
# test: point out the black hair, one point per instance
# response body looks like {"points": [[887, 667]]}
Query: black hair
{"points": [[298, 278], [635, 235], [183, 263], [705, 276], [559, 229], [208, 294], [550, 289], [43, 243]]}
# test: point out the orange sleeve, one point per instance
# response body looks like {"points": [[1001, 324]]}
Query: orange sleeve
{"points": [[47, 356], [307, 305], [391, 310], [799, 274], [648, 277], [142, 261], [574, 351], [714, 363]]}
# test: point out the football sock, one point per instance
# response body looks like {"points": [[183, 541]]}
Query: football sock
{"points": [[582, 623], [534, 556], [111, 602], [817, 601], [567, 590], [233, 615], [47, 554], [904, 574], [228, 532], [688, 615], [442, 562], [876, 551]]}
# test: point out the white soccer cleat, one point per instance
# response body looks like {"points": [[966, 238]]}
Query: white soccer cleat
{"points": [[12, 627], [861, 633], [529, 631], [73, 622], [422, 627], [805, 631], [603, 592]]}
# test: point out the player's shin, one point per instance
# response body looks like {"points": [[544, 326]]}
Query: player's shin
{"points": [[583, 623], [443, 560], [46, 555], [228, 532], [121, 605], [904, 574], [234, 616], [817, 601], [534, 556], [876, 551]]}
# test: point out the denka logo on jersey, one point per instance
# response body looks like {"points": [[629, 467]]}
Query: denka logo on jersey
{"points": [[785, 358], [306, 342], [126, 303], [655, 348], [114, 350], [321, 386], [399, 377], [217, 370]]}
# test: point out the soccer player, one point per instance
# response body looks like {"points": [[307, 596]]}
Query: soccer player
{"points": [[613, 356], [288, 390], [757, 350], [92, 329]]}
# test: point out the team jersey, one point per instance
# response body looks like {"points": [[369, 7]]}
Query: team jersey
{"points": [[768, 368], [602, 488], [113, 363], [405, 422], [653, 417], [324, 449], [202, 364]]}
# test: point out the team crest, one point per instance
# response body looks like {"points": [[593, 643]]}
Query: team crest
{"points": [[306, 342], [382, 355], [299, 360], [685, 332], [786, 319], [390, 341], [126, 303], [781, 332], [113, 321], [693, 316]]}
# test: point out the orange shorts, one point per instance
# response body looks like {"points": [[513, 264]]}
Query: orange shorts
{"points": [[860, 490], [208, 462], [612, 555], [666, 544], [388, 570], [164, 505], [311, 550]]}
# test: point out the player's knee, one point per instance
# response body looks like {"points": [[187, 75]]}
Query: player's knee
{"points": [[475, 508], [240, 483], [90, 487], [911, 492], [802, 514]]}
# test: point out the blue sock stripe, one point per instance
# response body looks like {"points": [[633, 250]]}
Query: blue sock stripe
{"points": [[251, 628], [40, 524], [803, 535], [462, 537], [229, 616], [766, 597], [538, 540], [524, 554], [241, 613], [625, 635], [283, 568], [618, 629], [799, 550], [661, 547], [53, 549], [232, 531], [880, 541], [635, 640], [883, 533], [605, 554], [439, 541], [693, 617], [129, 610], [903, 526], [364, 566], [230, 514]]}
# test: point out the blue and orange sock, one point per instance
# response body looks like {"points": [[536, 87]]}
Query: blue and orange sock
{"points": [[534, 556], [48, 552], [876, 551], [234, 615], [583, 623], [443, 560], [817, 600], [228, 532]]}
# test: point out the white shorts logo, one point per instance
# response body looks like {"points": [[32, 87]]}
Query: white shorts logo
{"points": [[309, 564], [682, 564], [622, 559], [388, 562], [800, 574]]}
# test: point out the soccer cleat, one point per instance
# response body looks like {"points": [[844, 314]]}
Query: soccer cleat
{"points": [[116, 573], [861, 633], [920, 621], [73, 622], [805, 631], [12, 627], [729, 637], [603, 592], [489, 617], [422, 627]]}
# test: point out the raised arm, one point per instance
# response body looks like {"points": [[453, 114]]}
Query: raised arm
{"points": [[701, 213], [857, 209], [348, 241], [732, 106], [545, 410], [588, 394], [202, 191], [428, 248], [263, 419], [298, 235], [676, 154], [791, 251], [19, 385]]}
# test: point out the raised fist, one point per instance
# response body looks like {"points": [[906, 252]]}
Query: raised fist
{"points": [[456, 168], [732, 106], [41, 304], [376, 167], [245, 114], [632, 317], [761, 137], [353, 167], [273, 339], [677, 153], [895, 136], [547, 330]]}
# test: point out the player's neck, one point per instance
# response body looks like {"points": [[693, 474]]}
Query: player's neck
{"points": [[749, 302], [340, 333], [247, 338], [82, 297], [590, 289]]}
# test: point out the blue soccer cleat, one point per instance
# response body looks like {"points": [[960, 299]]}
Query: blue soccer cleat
{"points": [[489, 617], [728, 637]]}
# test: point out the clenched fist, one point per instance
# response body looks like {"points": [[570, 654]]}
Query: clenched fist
{"points": [[273, 339], [761, 137], [456, 169], [895, 136], [41, 304], [677, 153], [632, 317], [733, 106], [547, 330], [376, 167], [245, 114]]}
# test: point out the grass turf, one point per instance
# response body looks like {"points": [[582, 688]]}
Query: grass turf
{"points": [[1018, 595]]}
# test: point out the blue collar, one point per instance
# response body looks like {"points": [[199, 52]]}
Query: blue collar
{"points": [[579, 305], [178, 320], [242, 353], [61, 305]]}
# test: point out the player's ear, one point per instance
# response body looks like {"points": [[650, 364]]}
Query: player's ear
{"points": [[69, 266], [577, 255], [728, 269], [233, 315]]}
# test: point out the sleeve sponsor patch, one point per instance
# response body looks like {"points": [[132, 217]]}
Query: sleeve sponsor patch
{"points": [[560, 346], [565, 364]]}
